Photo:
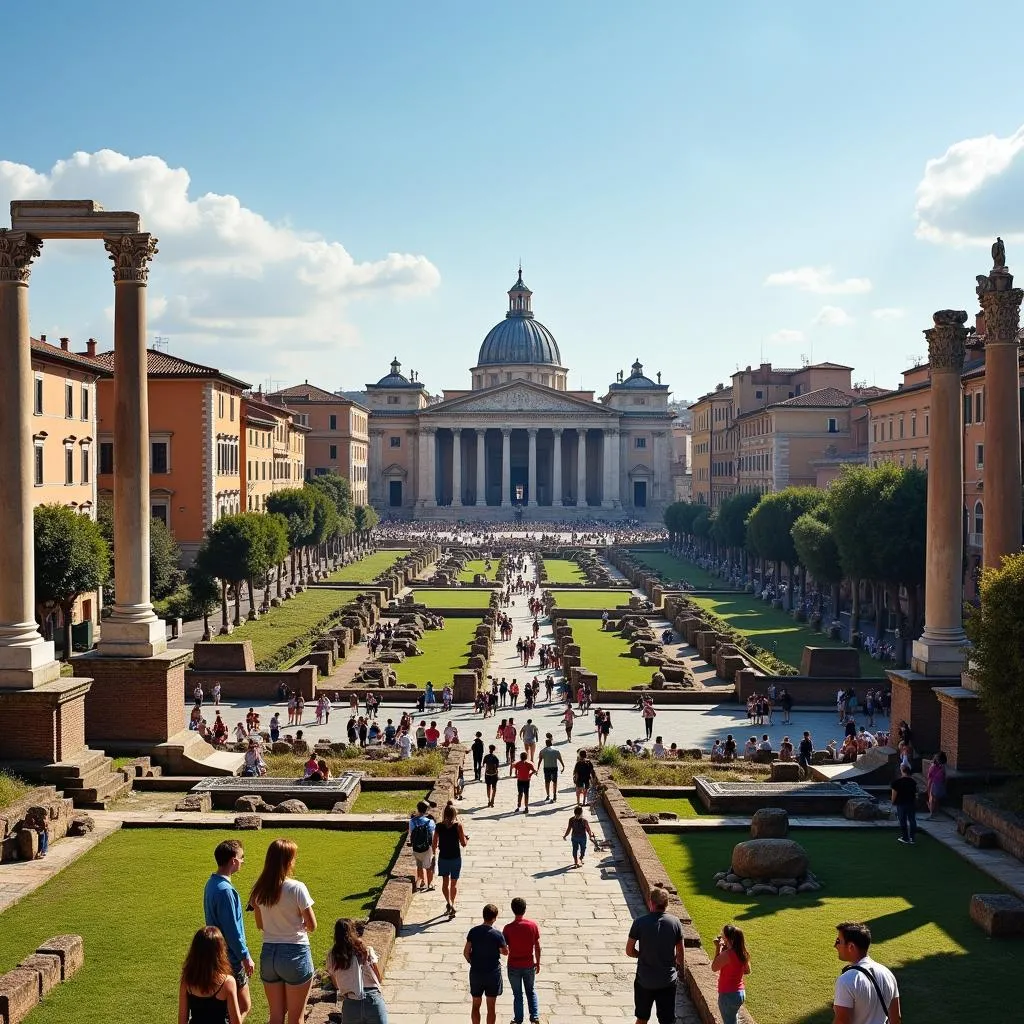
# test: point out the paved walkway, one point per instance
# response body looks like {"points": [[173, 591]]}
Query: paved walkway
{"points": [[584, 915]]}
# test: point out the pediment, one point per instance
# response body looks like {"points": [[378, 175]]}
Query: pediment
{"points": [[518, 396]]}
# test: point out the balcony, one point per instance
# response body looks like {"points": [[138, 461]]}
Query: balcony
{"points": [[975, 540]]}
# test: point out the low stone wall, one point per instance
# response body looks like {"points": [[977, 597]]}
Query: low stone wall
{"points": [[253, 685], [53, 962], [18, 843], [805, 690], [1008, 827]]}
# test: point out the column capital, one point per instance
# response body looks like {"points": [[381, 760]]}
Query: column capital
{"points": [[947, 340], [557, 431], [17, 251], [428, 431], [130, 255], [532, 431], [1002, 313], [506, 431]]}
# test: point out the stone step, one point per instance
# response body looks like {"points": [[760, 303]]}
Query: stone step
{"points": [[101, 797], [76, 783], [81, 764]]}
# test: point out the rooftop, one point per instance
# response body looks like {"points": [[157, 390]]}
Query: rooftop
{"points": [[163, 365], [306, 394], [44, 350], [823, 398]]}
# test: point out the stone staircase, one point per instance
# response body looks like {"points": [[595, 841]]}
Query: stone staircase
{"points": [[89, 780]]}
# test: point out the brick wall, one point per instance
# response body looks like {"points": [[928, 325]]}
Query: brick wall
{"points": [[914, 701], [46, 724], [252, 685], [963, 734]]}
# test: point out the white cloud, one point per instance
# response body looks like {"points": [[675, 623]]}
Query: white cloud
{"points": [[818, 280], [786, 336], [973, 192], [226, 278], [888, 313], [832, 316]]}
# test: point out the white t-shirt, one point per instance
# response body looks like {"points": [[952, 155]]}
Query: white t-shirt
{"points": [[283, 921], [856, 992], [405, 744], [344, 981]]}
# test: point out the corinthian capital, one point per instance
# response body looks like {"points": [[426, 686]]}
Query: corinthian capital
{"points": [[1002, 315], [130, 255], [17, 251], [947, 340]]}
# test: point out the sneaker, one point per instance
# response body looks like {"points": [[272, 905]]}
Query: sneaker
{"points": [[912, 842], [900, 839], [447, 908]]}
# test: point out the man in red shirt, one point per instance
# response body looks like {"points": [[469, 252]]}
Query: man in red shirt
{"points": [[523, 938], [524, 772], [433, 734]]}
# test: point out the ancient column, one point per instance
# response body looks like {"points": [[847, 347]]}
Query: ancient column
{"points": [[506, 465], [609, 486], [429, 468], [456, 467], [481, 466], [556, 468], [26, 659], [376, 467], [1001, 303], [531, 484], [940, 649], [581, 467], [133, 630]]}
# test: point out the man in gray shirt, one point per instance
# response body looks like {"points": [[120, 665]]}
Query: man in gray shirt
{"points": [[659, 960], [551, 759]]}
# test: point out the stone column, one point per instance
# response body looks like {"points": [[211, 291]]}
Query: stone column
{"points": [[26, 659], [556, 468], [531, 484], [428, 471], [581, 467], [1001, 303], [376, 467], [940, 649], [456, 467], [133, 630], [506, 465], [610, 493], [481, 466]]}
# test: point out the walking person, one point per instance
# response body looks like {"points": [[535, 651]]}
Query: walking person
{"points": [[648, 714], [529, 735], [421, 838], [485, 946], [222, 909], [866, 991], [491, 764], [551, 760], [936, 783], [524, 772], [522, 937], [509, 736], [478, 756], [352, 965], [284, 913], [804, 752], [904, 799], [582, 775], [659, 936], [207, 992], [579, 827], [568, 720], [731, 964], [449, 839]]}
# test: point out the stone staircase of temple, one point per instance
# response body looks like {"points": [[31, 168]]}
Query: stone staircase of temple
{"points": [[89, 779]]}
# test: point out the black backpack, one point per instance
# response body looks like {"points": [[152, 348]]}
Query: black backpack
{"points": [[421, 837]]}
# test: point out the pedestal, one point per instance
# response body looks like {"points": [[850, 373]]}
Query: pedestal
{"points": [[963, 729], [44, 724], [914, 702], [939, 658]]}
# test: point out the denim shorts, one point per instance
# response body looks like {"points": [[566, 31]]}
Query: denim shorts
{"points": [[288, 962], [449, 867]]}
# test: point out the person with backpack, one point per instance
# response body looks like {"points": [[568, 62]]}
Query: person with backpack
{"points": [[421, 838], [866, 991]]}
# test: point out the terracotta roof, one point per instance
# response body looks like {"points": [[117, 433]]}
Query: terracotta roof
{"points": [[827, 366], [44, 350], [163, 365], [823, 398], [258, 402], [310, 393]]}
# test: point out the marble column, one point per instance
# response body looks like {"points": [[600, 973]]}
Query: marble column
{"points": [[506, 465], [481, 466], [430, 468], [581, 467], [939, 652], [531, 485], [1001, 303], [456, 467], [556, 470], [26, 659], [609, 489], [132, 630]]}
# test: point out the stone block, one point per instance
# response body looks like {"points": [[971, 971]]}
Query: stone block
{"points": [[769, 858], [81, 824], [291, 807], [198, 802], [785, 771], [19, 995], [769, 823], [248, 822], [860, 809], [281, 747], [71, 951], [28, 844], [252, 804], [47, 967], [981, 837], [999, 915], [831, 662]]}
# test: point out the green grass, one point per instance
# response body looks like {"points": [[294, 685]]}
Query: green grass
{"points": [[393, 801], [568, 600], [426, 765], [915, 901], [478, 565], [645, 771], [607, 654], [445, 651], [11, 788], [454, 598], [136, 899], [685, 807], [675, 569], [563, 570], [367, 568]]}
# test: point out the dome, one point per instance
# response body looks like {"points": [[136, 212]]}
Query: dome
{"points": [[519, 338], [637, 380], [396, 379]]}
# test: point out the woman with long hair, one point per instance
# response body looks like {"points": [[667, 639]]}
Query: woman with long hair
{"points": [[731, 964], [284, 913], [449, 838], [208, 992], [352, 965]]}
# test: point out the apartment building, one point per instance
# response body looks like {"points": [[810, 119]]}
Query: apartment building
{"points": [[712, 469], [273, 450]]}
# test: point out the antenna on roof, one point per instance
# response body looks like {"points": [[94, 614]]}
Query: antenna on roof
{"points": [[161, 342]]}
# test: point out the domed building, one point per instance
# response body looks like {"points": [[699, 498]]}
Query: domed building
{"points": [[519, 437]]}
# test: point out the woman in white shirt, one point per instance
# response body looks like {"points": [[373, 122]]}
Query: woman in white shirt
{"points": [[284, 913], [352, 965]]}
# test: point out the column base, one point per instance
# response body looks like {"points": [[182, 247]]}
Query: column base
{"points": [[456, 503], [133, 639], [531, 504], [963, 732], [914, 701], [939, 657], [24, 668], [46, 723]]}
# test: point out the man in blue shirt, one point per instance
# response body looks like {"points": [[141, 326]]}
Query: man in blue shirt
{"points": [[485, 946], [222, 908]]}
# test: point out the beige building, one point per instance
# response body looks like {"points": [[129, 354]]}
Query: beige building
{"points": [[711, 472], [273, 450]]}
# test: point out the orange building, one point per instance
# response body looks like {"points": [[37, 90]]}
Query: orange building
{"points": [[711, 472], [195, 437], [273, 450]]}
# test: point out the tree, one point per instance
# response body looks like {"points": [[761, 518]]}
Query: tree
{"points": [[366, 518], [770, 526], [276, 540], [203, 595], [71, 558], [730, 522], [165, 575], [339, 490], [816, 548], [234, 550], [296, 505], [326, 521]]}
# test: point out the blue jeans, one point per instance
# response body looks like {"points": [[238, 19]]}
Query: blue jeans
{"points": [[729, 1004], [518, 978], [907, 815], [368, 1010], [579, 846], [44, 841]]}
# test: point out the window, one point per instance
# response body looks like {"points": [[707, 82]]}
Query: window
{"points": [[927, 424], [39, 396], [158, 510], [86, 464], [979, 407], [69, 400], [979, 456], [232, 417], [69, 464], [220, 406], [158, 457], [901, 428], [393, 400], [38, 464], [334, 423], [874, 431], [833, 425], [913, 424], [85, 401], [968, 406], [333, 451], [106, 456], [979, 518], [759, 394], [394, 442]]}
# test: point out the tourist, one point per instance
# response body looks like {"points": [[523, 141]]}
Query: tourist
{"points": [[568, 720], [220, 730], [390, 732], [904, 800], [750, 748], [786, 749], [216, 694], [658, 750], [731, 964], [936, 783], [729, 751], [529, 736], [364, 731], [509, 734], [432, 735], [311, 770], [522, 936], [477, 748], [604, 728], [659, 959], [866, 991], [582, 775], [786, 700], [37, 820], [352, 965], [284, 913], [806, 749], [460, 783], [275, 727], [513, 692], [485, 946], [491, 764], [449, 838], [421, 735], [579, 828], [323, 769], [253, 765], [551, 759], [429, 700], [207, 992], [222, 909], [525, 771], [648, 713], [326, 703], [765, 746], [421, 838], [404, 745], [718, 751], [373, 734]]}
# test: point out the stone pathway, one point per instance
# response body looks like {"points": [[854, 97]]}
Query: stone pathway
{"points": [[584, 915]]}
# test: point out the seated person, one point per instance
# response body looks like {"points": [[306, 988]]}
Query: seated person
{"points": [[729, 754], [848, 751], [311, 772], [324, 769], [765, 744], [373, 734], [240, 734], [254, 764], [390, 732], [195, 717], [869, 738], [658, 750], [717, 751], [749, 748], [786, 749], [673, 752]]}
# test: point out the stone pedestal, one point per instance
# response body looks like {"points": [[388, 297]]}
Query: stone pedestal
{"points": [[45, 724], [914, 701], [963, 729]]}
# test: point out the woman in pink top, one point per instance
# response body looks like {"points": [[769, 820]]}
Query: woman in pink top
{"points": [[731, 964]]}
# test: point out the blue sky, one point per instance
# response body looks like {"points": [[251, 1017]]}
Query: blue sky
{"points": [[693, 185]]}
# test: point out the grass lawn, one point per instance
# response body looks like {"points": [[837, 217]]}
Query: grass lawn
{"points": [[478, 565], [567, 600], [563, 570], [685, 807], [675, 569], [11, 788], [367, 568], [915, 901], [445, 651], [645, 771], [136, 899], [427, 764], [607, 654], [454, 598], [394, 801]]}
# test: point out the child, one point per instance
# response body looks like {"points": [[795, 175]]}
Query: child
{"points": [[460, 783], [37, 821], [580, 829]]}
